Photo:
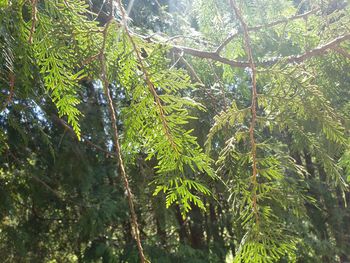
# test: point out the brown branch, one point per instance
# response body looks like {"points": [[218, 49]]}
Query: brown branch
{"points": [[194, 74], [56, 193], [34, 19], [197, 40], [192, 71], [226, 42], [318, 51], [215, 56], [253, 107], [231, 36], [283, 20], [210, 55], [105, 82], [90, 59], [147, 79], [85, 139]]}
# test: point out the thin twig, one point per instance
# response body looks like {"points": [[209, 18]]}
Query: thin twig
{"points": [[283, 20], [226, 42], [194, 74], [253, 107], [34, 19], [84, 138], [105, 82], [231, 36], [318, 51], [147, 79]]}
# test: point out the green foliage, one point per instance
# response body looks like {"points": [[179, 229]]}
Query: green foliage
{"points": [[62, 35], [345, 163], [157, 127], [61, 195]]}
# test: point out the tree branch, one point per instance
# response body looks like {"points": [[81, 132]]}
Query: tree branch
{"points": [[85, 139], [226, 42], [210, 55], [34, 19], [147, 79], [215, 55], [231, 36], [283, 20], [105, 83], [253, 107], [318, 51], [194, 74]]}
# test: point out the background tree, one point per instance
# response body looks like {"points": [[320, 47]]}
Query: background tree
{"points": [[104, 117]]}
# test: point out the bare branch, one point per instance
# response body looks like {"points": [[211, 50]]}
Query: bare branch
{"points": [[112, 112], [194, 75], [253, 107], [283, 20], [210, 55], [318, 51], [84, 138], [148, 81], [226, 42], [34, 19], [231, 36]]}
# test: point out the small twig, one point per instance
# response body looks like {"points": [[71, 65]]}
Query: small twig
{"points": [[84, 138], [148, 81], [283, 20], [34, 19], [58, 194], [253, 107], [192, 71], [170, 39], [105, 82], [220, 84], [194, 74], [231, 36], [318, 51], [226, 42], [90, 59]]}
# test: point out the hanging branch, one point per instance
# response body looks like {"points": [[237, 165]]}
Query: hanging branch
{"points": [[105, 83], [147, 79], [34, 19], [253, 106]]}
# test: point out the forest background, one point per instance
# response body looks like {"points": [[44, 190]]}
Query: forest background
{"points": [[174, 131]]}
